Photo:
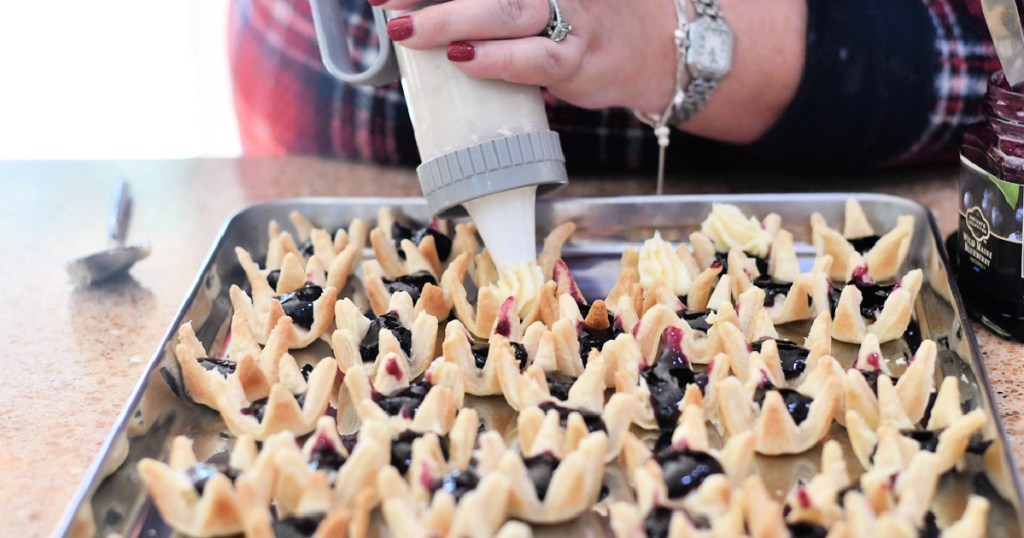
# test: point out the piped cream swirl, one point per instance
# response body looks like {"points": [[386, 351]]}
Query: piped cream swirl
{"points": [[728, 227], [659, 264], [523, 281]]}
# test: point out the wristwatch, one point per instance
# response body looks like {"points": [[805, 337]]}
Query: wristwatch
{"points": [[708, 57]]}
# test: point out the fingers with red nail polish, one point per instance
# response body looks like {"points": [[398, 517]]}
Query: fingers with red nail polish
{"points": [[461, 51], [400, 28]]}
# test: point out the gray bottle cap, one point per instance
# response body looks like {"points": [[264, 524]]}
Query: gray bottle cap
{"points": [[498, 165]]}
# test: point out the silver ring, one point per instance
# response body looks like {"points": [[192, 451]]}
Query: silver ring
{"points": [[557, 28]]}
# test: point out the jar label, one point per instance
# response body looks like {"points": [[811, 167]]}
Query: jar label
{"points": [[991, 226]]}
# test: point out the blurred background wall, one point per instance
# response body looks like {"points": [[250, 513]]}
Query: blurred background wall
{"points": [[115, 78]]}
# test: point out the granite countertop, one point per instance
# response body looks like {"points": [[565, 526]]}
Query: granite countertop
{"points": [[72, 356]]}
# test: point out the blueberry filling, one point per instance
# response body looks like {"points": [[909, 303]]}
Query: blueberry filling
{"points": [[912, 336], [201, 473], [401, 449], [864, 244], [297, 526], [223, 367], [798, 405], [723, 258], [593, 421], [404, 402], [668, 378], [348, 441], [657, 522], [591, 338], [872, 378], [697, 320], [258, 408], [457, 483], [369, 348], [772, 289], [803, 529], [540, 469], [480, 354], [929, 441], [412, 284], [930, 528], [306, 370], [441, 241], [873, 297], [325, 457], [659, 519], [684, 470], [792, 357], [306, 248], [273, 277], [559, 385], [298, 305]]}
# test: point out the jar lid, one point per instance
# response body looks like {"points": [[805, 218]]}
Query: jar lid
{"points": [[493, 166]]}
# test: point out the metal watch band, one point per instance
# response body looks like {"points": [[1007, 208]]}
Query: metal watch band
{"points": [[698, 91]]}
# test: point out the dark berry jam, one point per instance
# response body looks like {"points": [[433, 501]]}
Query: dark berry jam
{"points": [[297, 526], [593, 421], [306, 370], [685, 470], [223, 367], [657, 522], [864, 244], [416, 235], [697, 319], [591, 338], [412, 284], [404, 402], [798, 405], [929, 441], [298, 305], [540, 469], [792, 356], [668, 378], [201, 473], [803, 529], [306, 248], [273, 278], [401, 449], [480, 354], [325, 456], [723, 259], [772, 289], [873, 297], [258, 408], [369, 348], [559, 385], [457, 483], [930, 529]]}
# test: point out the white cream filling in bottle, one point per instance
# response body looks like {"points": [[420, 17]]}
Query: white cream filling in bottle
{"points": [[451, 110]]}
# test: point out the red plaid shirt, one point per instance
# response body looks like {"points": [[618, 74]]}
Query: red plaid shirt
{"points": [[287, 103]]}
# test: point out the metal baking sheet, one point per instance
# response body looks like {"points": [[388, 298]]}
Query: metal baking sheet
{"points": [[112, 500]]}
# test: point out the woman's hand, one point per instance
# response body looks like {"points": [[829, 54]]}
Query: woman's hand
{"points": [[620, 53]]}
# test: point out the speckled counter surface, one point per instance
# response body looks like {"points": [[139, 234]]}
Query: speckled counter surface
{"points": [[71, 356]]}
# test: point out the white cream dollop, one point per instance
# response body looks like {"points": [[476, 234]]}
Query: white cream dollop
{"points": [[728, 227], [659, 264], [523, 281]]}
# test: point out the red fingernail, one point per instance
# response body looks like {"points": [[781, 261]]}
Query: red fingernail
{"points": [[400, 28], [461, 51], [376, 2]]}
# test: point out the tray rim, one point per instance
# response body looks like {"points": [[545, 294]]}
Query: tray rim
{"points": [[91, 480]]}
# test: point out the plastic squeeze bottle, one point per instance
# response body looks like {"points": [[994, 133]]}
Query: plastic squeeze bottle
{"points": [[485, 145]]}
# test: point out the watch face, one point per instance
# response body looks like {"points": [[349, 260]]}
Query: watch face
{"points": [[710, 53]]}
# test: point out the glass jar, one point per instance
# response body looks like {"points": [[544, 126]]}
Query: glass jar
{"points": [[990, 261]]}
